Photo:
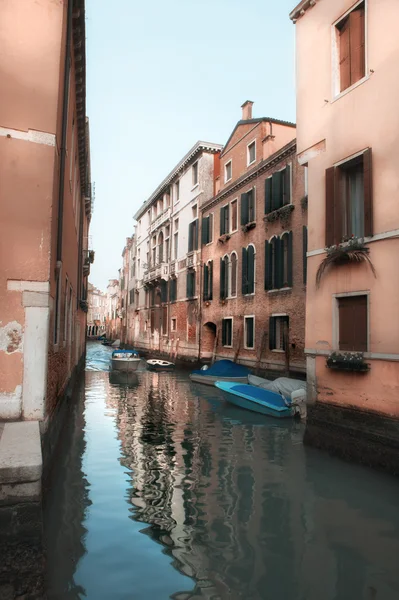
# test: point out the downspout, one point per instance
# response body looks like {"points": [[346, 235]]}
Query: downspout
{"points": [[200, 289], [67, 70]]}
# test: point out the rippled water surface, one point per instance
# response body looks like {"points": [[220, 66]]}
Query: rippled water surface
{"points": [[164, 491]]}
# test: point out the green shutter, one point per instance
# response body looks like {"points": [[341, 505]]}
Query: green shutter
{"points": [[222, 231], [205, 294], [244, 209], [289, 261], [251, 269], [222, 279], [277, 190], [193, 282], [244, 276], [268, 266], [190, 237], [272, 333], [278, 263], [304, 252], [268, 195], [287, 185], [195, 227], [205, 230], [210, 289]]}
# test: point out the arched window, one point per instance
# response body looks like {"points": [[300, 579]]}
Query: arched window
{"points": [[286, 259], [154, 251], [248, 270], [233, 275], [224, 277], [160, 247], [278, 262], [208, 281]]}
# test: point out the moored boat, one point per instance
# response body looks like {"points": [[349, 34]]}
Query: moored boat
{"points": [[158, 364], [125, 360], [221, 370], [258, 400], [282, 385]]}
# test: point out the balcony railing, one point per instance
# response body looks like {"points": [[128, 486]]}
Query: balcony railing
{"points": [[160, 220], [160, 271]]}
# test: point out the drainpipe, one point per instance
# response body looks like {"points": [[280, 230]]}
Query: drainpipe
{"points": [[67, 70]]}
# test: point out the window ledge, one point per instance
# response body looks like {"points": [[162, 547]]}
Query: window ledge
{"points": [[249, 295], [278, 351], [278, 290], [352, 87], [246, 348], [194, 187], [227, 346], [250, 165]]}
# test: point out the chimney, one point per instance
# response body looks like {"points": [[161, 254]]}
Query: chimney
{"points": [[247, 110]]}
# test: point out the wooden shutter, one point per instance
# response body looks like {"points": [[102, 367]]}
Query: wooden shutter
{"points": [[222, 221], [244, 272], [277, 190], [330, 206], [205, 230], [268, 195], [188, 285], [190, 237], [195, 236], [210, 288], [206, 271], [272, 333], [304, 252], [251, 269], [278, 263], [222, 279], [289, 260], [193, 281], [344, 55], [287, 185], [244, 209], [226, 218], [368, 193], [353, 323], [268, 266], [357, 46], [164, 291]]}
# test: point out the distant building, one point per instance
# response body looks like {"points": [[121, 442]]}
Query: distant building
{"points": [[167, 263], [113, 312], [254, 235], [96, 315], [348, 124]]}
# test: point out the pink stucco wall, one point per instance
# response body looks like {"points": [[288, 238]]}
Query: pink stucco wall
{"points": [[329, 129]]}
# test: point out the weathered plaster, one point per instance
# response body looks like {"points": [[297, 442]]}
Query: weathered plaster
{"points": [[11, 404], [11, 337]]}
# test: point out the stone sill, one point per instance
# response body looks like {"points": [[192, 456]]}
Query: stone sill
{"points": [[20, 453]]}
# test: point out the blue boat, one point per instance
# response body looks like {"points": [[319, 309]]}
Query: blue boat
{"points": [[257, 399], [222, 370]]}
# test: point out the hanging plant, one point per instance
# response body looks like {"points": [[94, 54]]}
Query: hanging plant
{"points": [[282, 214], [347, 361], [351, 251], [248, 226], [224, 238]]}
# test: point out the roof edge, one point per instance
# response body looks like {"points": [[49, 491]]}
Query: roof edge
{"points": [[300, 9]]}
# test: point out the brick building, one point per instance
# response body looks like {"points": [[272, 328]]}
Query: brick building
{"points": [[254, 249], [167, 257], [96, 315]]}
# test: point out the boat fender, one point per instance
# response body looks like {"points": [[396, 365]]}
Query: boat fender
{"points": [[204, 368]]}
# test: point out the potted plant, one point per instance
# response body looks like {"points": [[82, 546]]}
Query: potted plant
{"points": [[352, 250], [348, 361], [224, 238], [248, 226], [281, 214]]}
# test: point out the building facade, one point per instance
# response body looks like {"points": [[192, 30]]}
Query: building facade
{"points": [[113, 316], [348, 126], [167, 257], [253, 247], [97, 311]]}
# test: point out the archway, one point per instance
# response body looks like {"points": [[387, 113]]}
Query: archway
{"points": [[208, 340]]}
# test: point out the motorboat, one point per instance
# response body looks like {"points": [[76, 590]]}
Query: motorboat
{"points": [[158, 364], [221, 370], [282, 385], [125, 360], [258, 400]]}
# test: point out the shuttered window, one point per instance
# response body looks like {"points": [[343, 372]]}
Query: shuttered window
{"points": [[234, 217], [164, 291], [349, 200], [249, 332], [190, 284], [278, 333], [248, 270], [351, 43], [193, 236], [224, 272], [233, 274], [352, 312], [227, 332], [207, 229], [208, 281], [248, 207], [173, 289], [164, 320], [224, 220], [278, 262], [278, 190]]}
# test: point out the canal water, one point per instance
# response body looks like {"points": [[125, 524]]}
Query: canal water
{"points": [[162, 490]]}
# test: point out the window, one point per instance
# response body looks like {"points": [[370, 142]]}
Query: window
{"points": [[190, 284], [224, 274], [131, 297], [278, 190], [160, 248], [249, 332], [164, 320], [352, 316], [173, 289], [208, 281], [278, 333], [304, 252], [207, 229], [233, 275], [248, 270], [251, 153], [193, 236], [350, 34], [224, 220], [164, 290], [195, 174], [227, 332], [173, 324], [248, 207], [175, 245], [177, 191], [234, 220], [349, 199], [228, 167], [194, 211], [278, 262]]}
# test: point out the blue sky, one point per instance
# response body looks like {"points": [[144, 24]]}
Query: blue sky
{"points": [[162, 75]]}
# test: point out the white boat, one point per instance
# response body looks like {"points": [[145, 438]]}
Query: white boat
{"points": [[125, 360], [158, 364]]}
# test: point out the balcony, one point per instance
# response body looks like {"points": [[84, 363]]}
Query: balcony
{"points": [[160, 271], [191, 259], [160, 220]]}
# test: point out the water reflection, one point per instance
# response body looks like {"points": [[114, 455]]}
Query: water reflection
{"points": [[230, 503]]}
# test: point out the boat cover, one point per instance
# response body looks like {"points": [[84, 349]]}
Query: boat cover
{"points": [[281, 385], [120, 353], [255, 394], [223, 368]]}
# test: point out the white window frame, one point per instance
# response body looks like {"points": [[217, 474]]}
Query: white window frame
{"points": [[230, 279], [275, 315], [195, 183], [335, 55], [173, 320], [335, 317], [212, 220], [231, 216], [232, 332], [177, 191], [246, 317], [226, 179], [249, 162]]}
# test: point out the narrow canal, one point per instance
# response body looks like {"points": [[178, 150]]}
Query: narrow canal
{"points": [[163, 491]]}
